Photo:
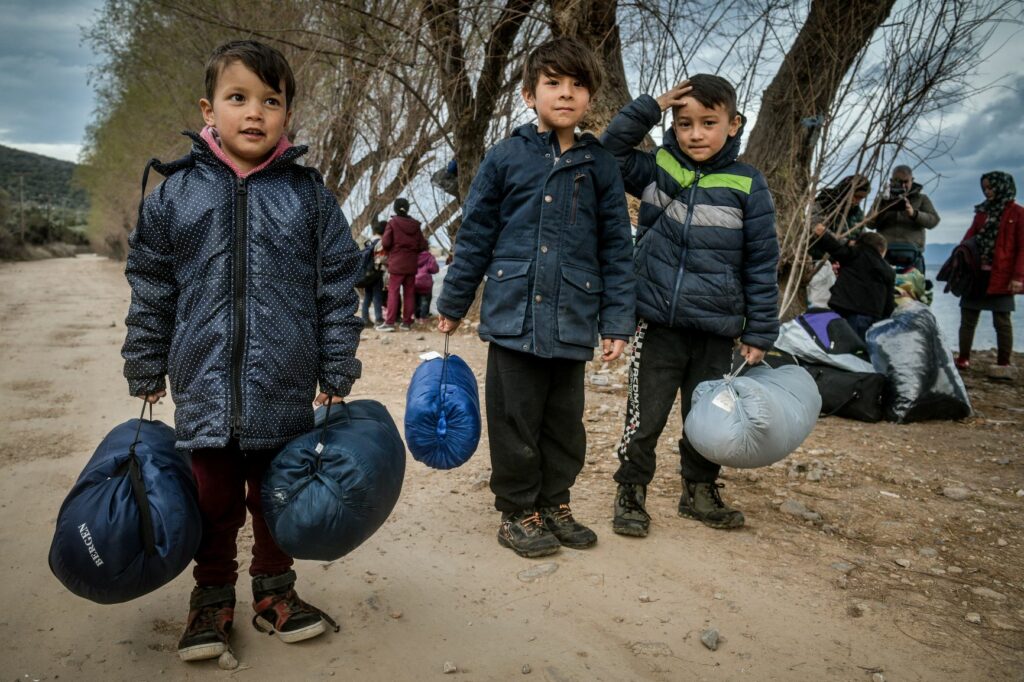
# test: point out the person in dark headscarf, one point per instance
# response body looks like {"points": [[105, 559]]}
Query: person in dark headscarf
{"points": [[838, 208], [998, 231]]}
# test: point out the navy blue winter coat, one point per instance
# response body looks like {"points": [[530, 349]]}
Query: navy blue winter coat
{"points": [[552, 237], [706, 249], [223, 271]]}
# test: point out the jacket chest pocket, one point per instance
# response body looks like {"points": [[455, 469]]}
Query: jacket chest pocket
{"points": [[503, 310], [579, 303]]}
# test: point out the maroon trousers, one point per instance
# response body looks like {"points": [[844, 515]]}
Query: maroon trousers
{"points": [[407, 285], [222, 475]]}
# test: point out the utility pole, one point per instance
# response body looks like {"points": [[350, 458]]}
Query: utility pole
{"points": [[21, 211]]}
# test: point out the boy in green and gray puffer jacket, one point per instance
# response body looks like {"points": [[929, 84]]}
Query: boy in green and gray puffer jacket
{"points": [[705, 262]]}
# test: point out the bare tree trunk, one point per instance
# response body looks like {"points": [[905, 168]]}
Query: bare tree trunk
{"points": [[593, 22], [470, 113], [792, 112]]}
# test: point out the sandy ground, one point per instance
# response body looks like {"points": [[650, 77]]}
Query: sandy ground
{"points": [[880, 584]]}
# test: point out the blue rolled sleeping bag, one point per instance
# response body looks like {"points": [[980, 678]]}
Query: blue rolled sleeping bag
{"points": [[328, 491], [131, 522], [442, 413]]}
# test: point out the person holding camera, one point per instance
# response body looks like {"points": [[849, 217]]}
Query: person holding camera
{"points": [[901, 215]]}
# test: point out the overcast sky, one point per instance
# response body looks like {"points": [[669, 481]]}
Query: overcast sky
{"points": [[47, 103]]}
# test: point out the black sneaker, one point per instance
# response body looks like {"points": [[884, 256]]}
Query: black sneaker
{"points": [[405, 327], [525, 534], [279, 609], [211, 612], [702, 501], [631, 518], [570, 532]]}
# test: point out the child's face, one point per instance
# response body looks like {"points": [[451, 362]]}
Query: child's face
{"points": [[249, 116], [702, 132], [560, 102]]}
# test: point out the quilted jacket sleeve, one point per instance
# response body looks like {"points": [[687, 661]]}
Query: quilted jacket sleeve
{"points": [[339, 327], [615, 254], [150, 321], [481, 226], [624, 133], [760, 266]]}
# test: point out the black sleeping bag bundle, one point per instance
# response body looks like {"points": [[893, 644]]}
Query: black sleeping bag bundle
{"points": [[131, 522], [329, 490]]}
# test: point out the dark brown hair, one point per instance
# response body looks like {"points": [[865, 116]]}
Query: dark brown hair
{"points": [[263, 60], [562, 57], [873, 240], [713, 91]]}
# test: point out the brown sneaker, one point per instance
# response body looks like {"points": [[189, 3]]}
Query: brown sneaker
{"points": [[525, 534], [211, 612], [279, 609], [570, 532]]}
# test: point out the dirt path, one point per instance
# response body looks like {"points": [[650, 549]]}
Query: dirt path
{"points": [[881, 583]]}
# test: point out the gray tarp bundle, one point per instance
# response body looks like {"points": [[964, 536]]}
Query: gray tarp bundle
{"points": [[923, 382], [753, 420]]}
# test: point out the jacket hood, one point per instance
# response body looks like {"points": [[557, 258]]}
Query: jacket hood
{"points": [[725, 156], [915, 189], [405, 224], [206, 147], [545, 140]]}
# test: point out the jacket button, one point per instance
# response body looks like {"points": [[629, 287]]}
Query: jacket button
{"points": [[538, 298], [543, 249], [526, 346], [500, 273], [548, 199], [568, 161], [586, 156], [588, 285], [546, 156]]}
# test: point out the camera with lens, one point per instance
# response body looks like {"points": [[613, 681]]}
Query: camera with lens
{"points": [[897, 190]]}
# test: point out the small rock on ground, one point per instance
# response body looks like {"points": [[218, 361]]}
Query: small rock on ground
{"points": [[448, 668], [526, 669], [973, 618], [956, 492], [988, 593], [709, 638]]}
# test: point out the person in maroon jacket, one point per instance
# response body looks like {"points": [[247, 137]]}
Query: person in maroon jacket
{"points": [[403, 241]]}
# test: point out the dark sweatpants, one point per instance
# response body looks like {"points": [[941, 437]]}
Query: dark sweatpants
{"points": [[534, 427], [222, 475], [665, 362]]}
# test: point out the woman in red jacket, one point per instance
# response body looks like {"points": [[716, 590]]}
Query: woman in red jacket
{"points": [[998, 229], [403, 241]]}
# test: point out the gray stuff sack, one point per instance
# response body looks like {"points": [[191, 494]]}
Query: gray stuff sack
{"points": [[753, 420]]}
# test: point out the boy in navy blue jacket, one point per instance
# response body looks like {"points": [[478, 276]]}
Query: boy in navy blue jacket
{"points": [[546, 222], [242, 270], [705, 262]]}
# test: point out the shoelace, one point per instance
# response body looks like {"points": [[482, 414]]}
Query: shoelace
{"points": [[563, 513], [716, 496], [532, 520], [628, 501]]}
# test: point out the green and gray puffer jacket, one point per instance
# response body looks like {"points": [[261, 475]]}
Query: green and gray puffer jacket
{"points": [[706, 250]]}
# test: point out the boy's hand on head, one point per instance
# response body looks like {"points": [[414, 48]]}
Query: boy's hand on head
{"points": [[819, 229], [445, 325], [1016, 287], [153, 397], [674, 97], [612, 349], [321, 399], [752, 355]]}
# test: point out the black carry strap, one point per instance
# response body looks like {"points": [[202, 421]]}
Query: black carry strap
{"points": [[164, 169], [134, 470]]}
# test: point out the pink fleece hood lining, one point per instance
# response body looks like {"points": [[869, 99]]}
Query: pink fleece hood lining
{"points": [[212, 139]]}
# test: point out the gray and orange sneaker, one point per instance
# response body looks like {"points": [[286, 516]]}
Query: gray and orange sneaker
{"points": [[279, 610], [525, 534], [211, 612]]}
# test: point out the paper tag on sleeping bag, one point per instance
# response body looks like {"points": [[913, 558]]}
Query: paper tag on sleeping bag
{"points": [[430, 355], [724, 400]]}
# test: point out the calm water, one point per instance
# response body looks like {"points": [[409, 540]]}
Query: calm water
{"points": [[947, 309]]}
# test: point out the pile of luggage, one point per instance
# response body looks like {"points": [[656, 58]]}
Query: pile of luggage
{"points": [[905, 373]]}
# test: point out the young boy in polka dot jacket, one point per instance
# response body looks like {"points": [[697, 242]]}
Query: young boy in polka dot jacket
{"points": [[242, 269]]}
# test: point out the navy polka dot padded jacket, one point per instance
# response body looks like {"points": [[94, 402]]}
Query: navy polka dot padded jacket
{"points": [[225, 273]]}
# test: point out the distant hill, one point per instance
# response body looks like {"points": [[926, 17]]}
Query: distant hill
{"points": [[47, 180]]}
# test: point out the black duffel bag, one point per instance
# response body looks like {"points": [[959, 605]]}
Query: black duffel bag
{"points": [[854, 395]]}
